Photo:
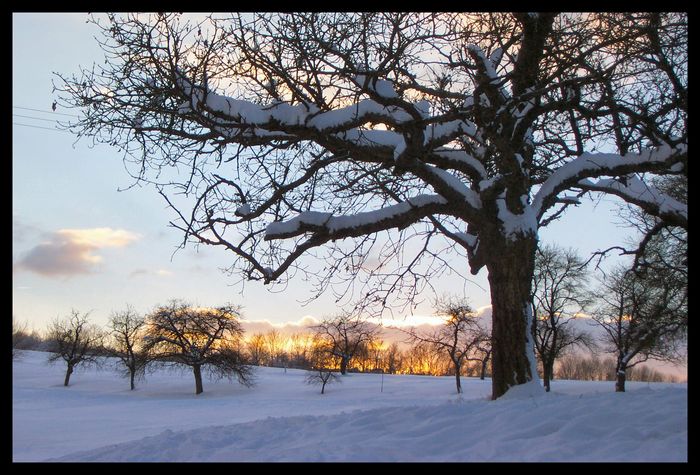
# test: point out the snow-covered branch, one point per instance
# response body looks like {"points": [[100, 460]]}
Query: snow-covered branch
{"points": [[336, 227], [594, 165]]}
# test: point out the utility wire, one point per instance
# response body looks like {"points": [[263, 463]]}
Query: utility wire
{"points": [[34, 118], [45, 111], [39, 127]]}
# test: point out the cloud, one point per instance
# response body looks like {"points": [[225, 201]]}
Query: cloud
{"points": [[72, 251]]}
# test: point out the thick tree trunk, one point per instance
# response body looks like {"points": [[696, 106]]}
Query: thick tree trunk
{"points": [[197, 369], [510, 266], [69, 371], [343, 365], [131, 380]]}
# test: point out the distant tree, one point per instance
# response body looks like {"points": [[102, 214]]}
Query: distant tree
{"points": [[256, 348], [300, 350], [483, 355], [457, 337], [343, 336], [393, 358], [275, 347], [76, 341], [559, 296], [199, 338], [643, 317], [320, 373], [127, 328], [19, 336]]}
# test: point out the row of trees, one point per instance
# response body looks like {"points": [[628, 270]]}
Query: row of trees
{"points": [[643, 316], [174, 334]]}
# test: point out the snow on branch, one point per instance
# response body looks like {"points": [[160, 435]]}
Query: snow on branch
{"points": [[389, 217], [643, 195], [591, 165]]}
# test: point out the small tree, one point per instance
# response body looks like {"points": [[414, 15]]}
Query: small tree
{"points": [[198, 337], [127, 346], [19, 335], [644, 317], [76, 341], [344, 335], [256, 348], [320, 373], [559, 296], [458, 337], [483, 354]]}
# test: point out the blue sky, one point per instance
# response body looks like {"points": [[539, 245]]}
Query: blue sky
{"points": [[80, 243]]}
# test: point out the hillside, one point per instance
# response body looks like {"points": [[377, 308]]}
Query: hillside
{"points": [[409, 418]]}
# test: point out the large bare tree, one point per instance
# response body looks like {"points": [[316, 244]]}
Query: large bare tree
{"points": [[201, 338], [378, 142]]}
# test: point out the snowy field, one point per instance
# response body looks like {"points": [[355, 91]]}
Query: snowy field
{"points": [[414, 418]]}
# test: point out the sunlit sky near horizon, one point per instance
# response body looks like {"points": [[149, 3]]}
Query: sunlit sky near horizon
{"points": [[80, 243]]}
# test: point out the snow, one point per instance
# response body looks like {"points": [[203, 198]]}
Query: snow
{"points": [[332, 223], [457, 185], [517, 224], [243, 210], [595, 162], [414, 418]]}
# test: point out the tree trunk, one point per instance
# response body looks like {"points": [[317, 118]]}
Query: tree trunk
{"points": [[457, 380], [620, 378], [131, 380], [484, 364], [69, 371], [197, 369], [343, 365], [510, 266], [547, 372]]}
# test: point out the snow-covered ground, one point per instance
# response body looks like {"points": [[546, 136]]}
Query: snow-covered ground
{"points": [[414, 418]]}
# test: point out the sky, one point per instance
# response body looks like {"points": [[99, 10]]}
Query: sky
{"points": [[80, 243]]}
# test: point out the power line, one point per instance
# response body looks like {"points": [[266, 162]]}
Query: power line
{"points": [[44, 111], [33, 118], [39, 127]]}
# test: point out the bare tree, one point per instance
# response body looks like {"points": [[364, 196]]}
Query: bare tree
{"points": [[458, 337], [275, 347], [257, 351], [320, 373], [644, 317], [19, 336], [76, 341], [559, 297], [484, 348], [201, 338], [343, 336], [383, 142], [127, 331], [393, 359]]}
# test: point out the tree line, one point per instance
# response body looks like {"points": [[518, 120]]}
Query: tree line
{"points": [[642, 316]]}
